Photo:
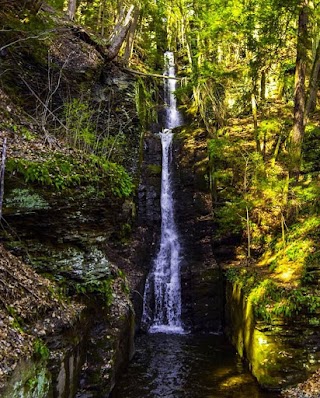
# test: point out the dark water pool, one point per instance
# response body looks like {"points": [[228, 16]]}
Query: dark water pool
{"points": [[187, 366]]}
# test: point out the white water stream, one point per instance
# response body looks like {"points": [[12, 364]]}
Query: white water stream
{"points": [[162, 297]]}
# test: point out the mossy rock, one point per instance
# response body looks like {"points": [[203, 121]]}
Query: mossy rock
{"points": [[30, 380], [154, 169]]}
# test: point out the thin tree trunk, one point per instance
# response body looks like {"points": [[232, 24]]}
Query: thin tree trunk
{"points": [[277, 149], [255, 122], [2, 170], [72, 7], [263, 85], [314, 83], [248, 233], [300, 94], [130, 38], [119, 35]]}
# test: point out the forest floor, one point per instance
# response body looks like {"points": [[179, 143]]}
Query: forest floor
{"points": [[308, 389]]}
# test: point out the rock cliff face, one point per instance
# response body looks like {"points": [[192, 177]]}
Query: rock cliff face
{"points": [[65, 235], [149, 213], [66, 240], [202, 294], [278, 353], [202, 286]]}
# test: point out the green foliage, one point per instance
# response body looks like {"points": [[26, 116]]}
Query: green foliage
{"points": [[61, 172], [23, 131], [217, 148], [80, 128], [26, 199], [57, 4], [306, 195], [286, 80], [40, 350], [120, 182], [208, 101], [146, 96], [99, 287], [311, 149], [270, 299], [315, 321], [269, 130], [57, 172], [247, 278], [16, 322], [83, 131], [231, 218]]}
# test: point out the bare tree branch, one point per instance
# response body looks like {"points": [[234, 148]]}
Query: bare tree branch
{"points": [[44, 105], [26, 38]]}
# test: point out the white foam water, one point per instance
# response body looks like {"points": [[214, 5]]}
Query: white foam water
{"points": [[162, 298]]}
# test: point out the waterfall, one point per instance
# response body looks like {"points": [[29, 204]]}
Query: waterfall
{"points": [[162, 297], [173, 117]]}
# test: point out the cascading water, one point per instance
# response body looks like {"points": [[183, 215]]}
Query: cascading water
{"points": [[173, 117], [163, 286], [171, 363]]}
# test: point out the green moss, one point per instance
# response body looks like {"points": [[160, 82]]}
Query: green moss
{"points": [[154, 169], [61, 172], [30, 380], [99, 288], [25, 199], [268, 354], [271, 299], [40, 350]]}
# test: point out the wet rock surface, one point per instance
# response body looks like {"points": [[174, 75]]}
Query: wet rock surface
{"points": [[149, 212], [200, 276], [202, 289], [279, 353]]}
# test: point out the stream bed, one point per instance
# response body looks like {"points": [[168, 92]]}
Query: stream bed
{"points": [[187, 366]]}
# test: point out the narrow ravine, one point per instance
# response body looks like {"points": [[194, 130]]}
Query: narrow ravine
{"points": [[159, 212], [170, 361]]}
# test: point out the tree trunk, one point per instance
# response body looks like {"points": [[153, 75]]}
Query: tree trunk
{"points": [[314, 83], [72, 7], [263, 85], [119, 35], [248, 233], [130, 38], [101, 15], [300, 94], [255, 122], [2, 170]]}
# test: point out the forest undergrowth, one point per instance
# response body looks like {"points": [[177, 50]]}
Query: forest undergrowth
{"points": [[275, 216]]}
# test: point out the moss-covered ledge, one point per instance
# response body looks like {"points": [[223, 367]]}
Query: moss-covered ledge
{"points": [[277, 352]]}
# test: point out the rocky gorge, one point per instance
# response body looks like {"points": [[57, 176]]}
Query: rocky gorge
{"points": [[84, 252]]}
